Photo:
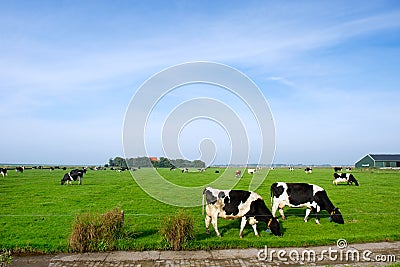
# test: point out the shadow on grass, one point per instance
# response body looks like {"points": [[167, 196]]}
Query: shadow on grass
{"points": [[300, 213], [233, 226], [140, 234]]}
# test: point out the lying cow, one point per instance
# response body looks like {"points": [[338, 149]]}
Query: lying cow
{"points": [[297, 195], [308, 170], [74, 175], [344, 178], [3, 171], [234, 204], [251, 171]]}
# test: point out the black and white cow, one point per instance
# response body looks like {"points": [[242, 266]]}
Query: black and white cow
{"points": [[3, 171], [74, 175], [308, 170], [297, 195], [234, 204], [344, 178], [20, 169]]}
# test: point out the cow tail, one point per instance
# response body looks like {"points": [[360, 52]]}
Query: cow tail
{"points": [[202, 205], [271, 196]]}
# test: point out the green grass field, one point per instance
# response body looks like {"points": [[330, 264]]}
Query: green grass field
{"points": [[37, 212]]}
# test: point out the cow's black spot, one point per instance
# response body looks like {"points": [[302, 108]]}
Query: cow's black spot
{"points": [[276, 190], [300, 193], [234, 199], [210, 198]]}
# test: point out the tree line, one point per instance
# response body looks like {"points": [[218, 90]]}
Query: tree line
{"points": [[142, 162]]}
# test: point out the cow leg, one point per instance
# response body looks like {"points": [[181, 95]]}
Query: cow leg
{"points": [[282, 214], [274, 207], [242, 225], [315, 211], [307, 214], [279, 206], [207, 220], [253, 222], [255, 229], [214, 222], [79, 180]]}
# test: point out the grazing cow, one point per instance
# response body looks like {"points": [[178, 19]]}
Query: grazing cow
{"points": [[238, 173], [251, 171], [217, 171], [234, 204], [20, 169], [337, 169], [74, 175], [185, 170], [173, 168], [308, 170], [3, 171], [348, 169], [344, 178], [291, 169], [298, 195]]}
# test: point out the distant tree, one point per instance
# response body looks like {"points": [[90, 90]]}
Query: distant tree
{"points": [[155, 163], [164, 163], [141, 162], [119, 162], [198, 164], [183, 163]]}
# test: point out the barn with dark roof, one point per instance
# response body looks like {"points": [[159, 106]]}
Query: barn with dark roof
{"points": [[379, 161]]}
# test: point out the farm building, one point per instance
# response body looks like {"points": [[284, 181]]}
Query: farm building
{"points": [[379, 161]]}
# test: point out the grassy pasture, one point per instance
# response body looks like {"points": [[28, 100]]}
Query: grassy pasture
{"points": [[36, 212]]}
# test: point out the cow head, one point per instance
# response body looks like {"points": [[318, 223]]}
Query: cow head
{"points": [[337, 216], [274, 226], [65, 179]]}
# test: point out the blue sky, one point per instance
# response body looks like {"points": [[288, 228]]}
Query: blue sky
{"points": [[329, 71]]}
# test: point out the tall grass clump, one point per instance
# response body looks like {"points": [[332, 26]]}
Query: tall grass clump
{"points": [[96, 232], [5, 258], [177, 230]]}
